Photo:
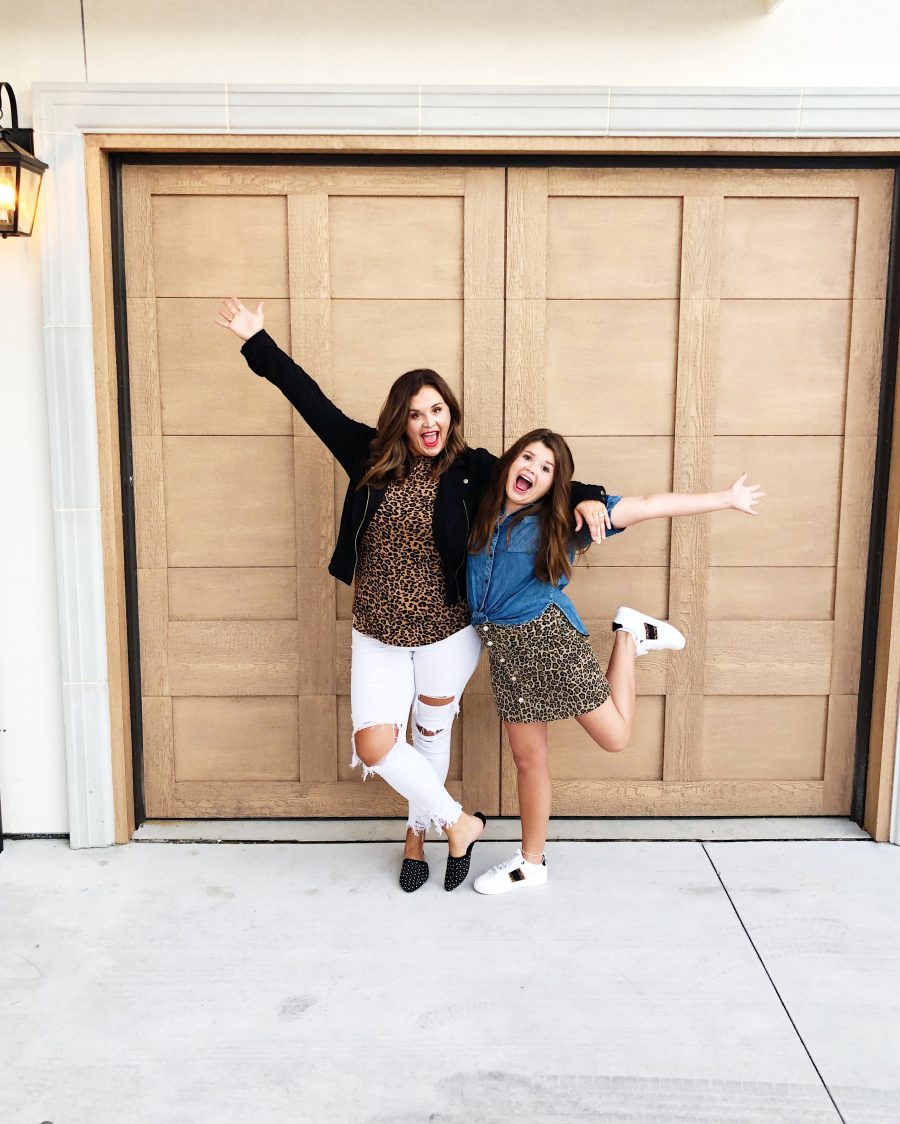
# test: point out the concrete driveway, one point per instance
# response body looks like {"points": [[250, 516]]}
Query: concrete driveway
{"points": [[650, 982]]}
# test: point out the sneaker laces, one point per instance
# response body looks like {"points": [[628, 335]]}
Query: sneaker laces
{"points": [[508, 864]]}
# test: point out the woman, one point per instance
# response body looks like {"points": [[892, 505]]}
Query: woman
{"points": [[542, 666], [403, 536]]}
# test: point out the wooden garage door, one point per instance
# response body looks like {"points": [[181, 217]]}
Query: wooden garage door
{"points": [[365, 273], [682, 327]]}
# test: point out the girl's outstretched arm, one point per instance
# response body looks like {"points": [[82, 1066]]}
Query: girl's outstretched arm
{"points": [[635, 509]]}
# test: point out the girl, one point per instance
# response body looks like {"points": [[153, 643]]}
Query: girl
{"points": [[542, 666], [403, 531]]}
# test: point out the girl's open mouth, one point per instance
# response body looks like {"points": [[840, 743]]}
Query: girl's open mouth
{"points": [[522, 484], [431, 440]]}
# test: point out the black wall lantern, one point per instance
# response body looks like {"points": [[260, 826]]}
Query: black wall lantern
{"points": [[20, 172]]}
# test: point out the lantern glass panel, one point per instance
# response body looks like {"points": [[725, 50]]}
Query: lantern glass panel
{"points": [[29, 188], [7, 197]]}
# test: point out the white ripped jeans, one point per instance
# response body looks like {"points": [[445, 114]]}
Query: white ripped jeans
{"points": [[385, 682]]}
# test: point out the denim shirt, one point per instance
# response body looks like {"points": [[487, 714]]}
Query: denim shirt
{"points": [[502, 585]]}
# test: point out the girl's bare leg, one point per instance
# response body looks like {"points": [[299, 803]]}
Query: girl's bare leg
{"points": [[528, 742], [610, 725]]}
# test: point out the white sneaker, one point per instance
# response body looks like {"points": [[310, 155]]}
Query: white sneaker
{"points": [[515, 874], [650, 635]]}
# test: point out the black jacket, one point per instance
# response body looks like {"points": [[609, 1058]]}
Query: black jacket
{"points": [[460, 488]]}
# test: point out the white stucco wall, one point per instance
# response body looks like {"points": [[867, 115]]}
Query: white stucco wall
{"points": [[454, 42]]}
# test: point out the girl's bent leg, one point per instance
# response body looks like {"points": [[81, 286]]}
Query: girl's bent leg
{"points": [[610, 725], [528, 742]]}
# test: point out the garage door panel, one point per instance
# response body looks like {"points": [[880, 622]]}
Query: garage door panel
{"points": [[801, 247], [373, 342], [797, 524], [233, 593], [233, 658], [210, 247], [617, 248], [576, 757], [204, 384], [229, 501], [768, 657], [231, 739], [770, 593], [754, 738], [782, 366], [612, 366], [599, 591], [396, 247]]}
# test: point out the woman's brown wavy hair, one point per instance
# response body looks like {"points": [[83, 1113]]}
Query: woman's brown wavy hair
{"points": [[390, 458], [554, 509]]}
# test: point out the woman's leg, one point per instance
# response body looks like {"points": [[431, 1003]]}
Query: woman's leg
{"points": [[441, 672], [381, 689], [528, 742], [610, 725]]}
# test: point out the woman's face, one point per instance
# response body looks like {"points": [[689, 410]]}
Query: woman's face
{"points": [[427, 423], [530, 475]]}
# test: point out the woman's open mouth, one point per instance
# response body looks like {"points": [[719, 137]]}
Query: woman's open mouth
{"points": [[431, 440], [522, 485]]}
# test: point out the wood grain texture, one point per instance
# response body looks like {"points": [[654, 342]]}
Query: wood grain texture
{"points": [[616, 248], [688, 798], [233, 658], [221, 593], [526, 234], [158, 756], [203, 382], [763, 593], [230, 501], [402, 248], [759, 738], [208, 246], [840, 750], [612, 366], [789, 247], [783, 367], [768, 657], [236, 739], [689, 559], [484, 237]]}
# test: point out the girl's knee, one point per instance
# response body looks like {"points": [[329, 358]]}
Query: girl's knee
{"points": [[615, 743], [373, 743]]}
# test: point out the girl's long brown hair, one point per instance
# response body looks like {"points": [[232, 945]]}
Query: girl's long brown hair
{"points": [[390, 458], [554, 509]]}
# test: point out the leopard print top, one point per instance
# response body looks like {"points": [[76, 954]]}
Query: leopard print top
{"points": [[399, 589]]}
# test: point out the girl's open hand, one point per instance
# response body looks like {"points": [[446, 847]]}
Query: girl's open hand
{"points": [[240, 320], [743, 496], [594, 513]]}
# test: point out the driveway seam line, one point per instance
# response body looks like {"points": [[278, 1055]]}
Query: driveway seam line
{"points": [[772, 982]]}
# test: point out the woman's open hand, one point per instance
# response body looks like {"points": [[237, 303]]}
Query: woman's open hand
{"points": [[240, 320], [743, 496]]}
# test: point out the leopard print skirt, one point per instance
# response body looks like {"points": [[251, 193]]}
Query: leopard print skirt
{"points": [[544, 670]]}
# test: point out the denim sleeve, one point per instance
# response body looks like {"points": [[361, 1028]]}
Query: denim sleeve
{"points": [[611, 502], [583, 537]]}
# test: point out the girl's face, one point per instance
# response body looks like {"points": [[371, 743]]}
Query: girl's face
{"points": [[530, 475], [427, 423]]}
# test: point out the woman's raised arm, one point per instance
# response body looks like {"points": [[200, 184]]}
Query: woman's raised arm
{"points": [[345, 438]]}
